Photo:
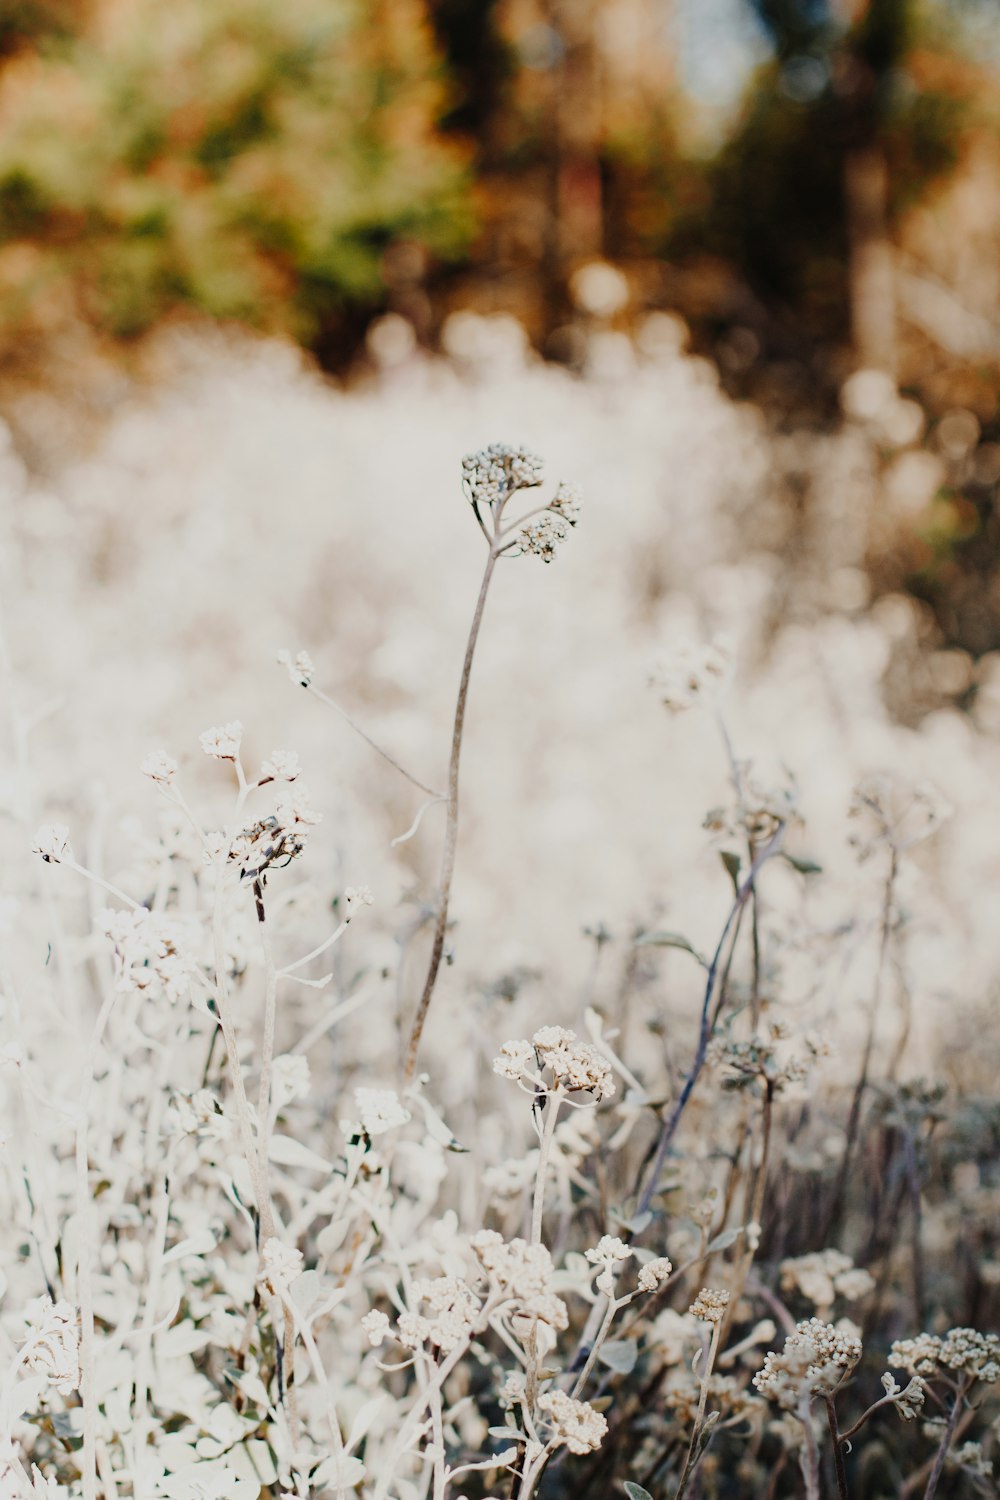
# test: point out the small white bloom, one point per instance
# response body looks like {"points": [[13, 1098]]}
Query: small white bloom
{"points": [[159, 766], [358, 895], [654, 1273], [52, 1347], [52, 843], [223, 743], [300, 668], [380, 1110], [376, 1327], [279, 1266], [281, 765]]}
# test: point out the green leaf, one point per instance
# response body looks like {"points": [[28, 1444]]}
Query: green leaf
{"points": [[732, 864], [636, 1491], [668, 940], [804, 866]]}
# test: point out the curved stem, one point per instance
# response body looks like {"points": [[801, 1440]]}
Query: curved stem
{"points": [[705, 1030], [451, 828]]}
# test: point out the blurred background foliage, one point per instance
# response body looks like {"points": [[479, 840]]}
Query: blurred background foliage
{"points": [[814, 185], [301, 166]]}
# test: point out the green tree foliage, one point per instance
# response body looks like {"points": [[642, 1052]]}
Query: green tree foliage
{"points": [[251, 159]]}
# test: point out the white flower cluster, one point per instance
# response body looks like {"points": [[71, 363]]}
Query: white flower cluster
{"points": [[52, 1346], [573, 1424], [281, 765], [379, 1110], [543, 535], [281, 837], [654, 1273], [710, 1306], [52, 843], [690, 673], [280, 1264], [962, 1349], [151, 948], [522, 1273], [491, 475], [300, 668], [223, 743], [453, 1308], [815, 1359], [574, 1066], [609, 1253], [159, 767], [824, 1275]]}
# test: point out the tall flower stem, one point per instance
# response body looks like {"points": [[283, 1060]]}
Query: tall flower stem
{"points": [[451, 826]]}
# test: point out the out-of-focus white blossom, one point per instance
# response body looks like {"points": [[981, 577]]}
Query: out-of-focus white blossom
{"points": [[159, 766], [52, 843], [52, 1345], [280, 1264], [379, 1110], [223, 743], [281, 765], [300, 668]]}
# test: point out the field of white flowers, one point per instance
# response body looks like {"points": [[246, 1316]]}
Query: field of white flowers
{"points": [[710, 1051]]}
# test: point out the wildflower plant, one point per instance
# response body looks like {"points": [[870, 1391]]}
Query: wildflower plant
{"points": [[260, 1255]]}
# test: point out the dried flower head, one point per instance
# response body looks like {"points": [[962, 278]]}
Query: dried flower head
{"points": [[52, 843], [493, 474], [542, 535], [815, 1359], [710, 1305], [280, 1264], [690, 673], [300, 668], [573, 1424], [159, 767], [223, 743], [654, 1273], [379, 1110], [52, 1345]]}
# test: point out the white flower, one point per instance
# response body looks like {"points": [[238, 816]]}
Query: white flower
{"points": [[223, 743], [380, 1110], [567, 503], [654, 1273], [52, 843], [514, 1057], [690, 673], [52, 1347], [376, 1327], [159, 766], [358, 895], [300, 670], [279, 1266], [574, 1423], [608, 1250], [281, 765], [543, 535]]}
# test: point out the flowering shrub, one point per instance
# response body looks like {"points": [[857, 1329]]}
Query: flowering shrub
{"points": [[298, 1207]]}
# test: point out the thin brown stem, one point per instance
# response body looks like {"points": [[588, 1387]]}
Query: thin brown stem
{"points": [[946, 1441], [838, 1454], [451, 828]]}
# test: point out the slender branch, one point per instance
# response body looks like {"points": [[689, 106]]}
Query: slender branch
{"points": [[451, 828], [392, 761], [946, 1441], [838, 1452], [705, 1031]]}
